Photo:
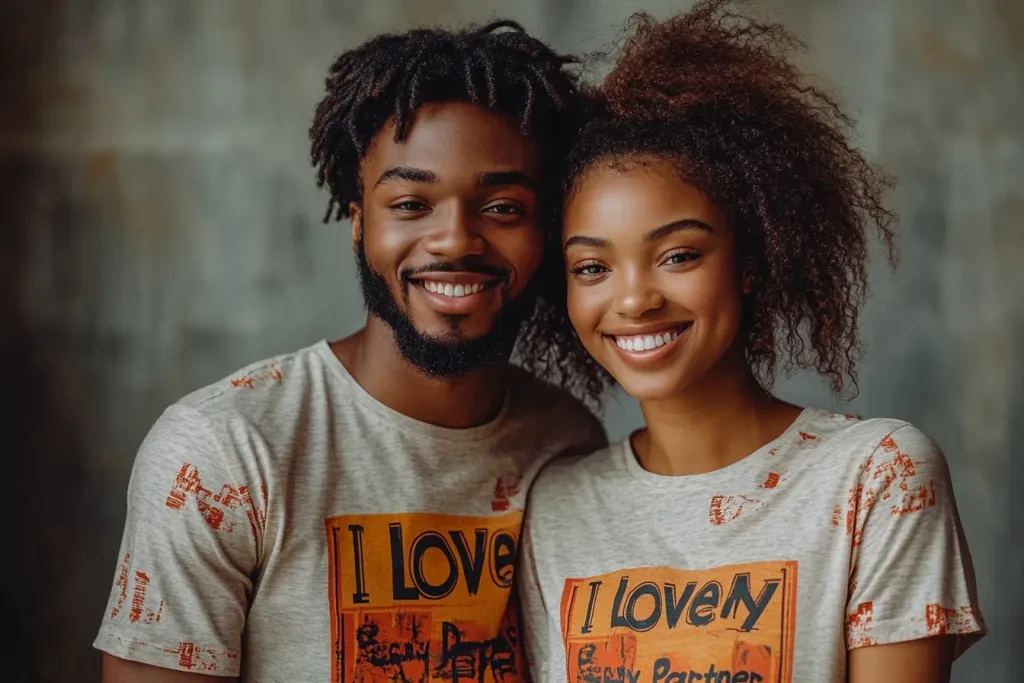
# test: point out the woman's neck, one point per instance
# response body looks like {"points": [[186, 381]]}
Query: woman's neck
{"points": [[715, 423]]}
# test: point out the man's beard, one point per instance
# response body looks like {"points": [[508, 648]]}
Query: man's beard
{"points": [[447, 356]]}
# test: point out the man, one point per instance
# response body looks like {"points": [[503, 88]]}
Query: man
{"points": [[351, 512]]}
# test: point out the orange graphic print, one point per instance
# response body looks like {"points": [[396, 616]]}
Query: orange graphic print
{"points": [[423, 597], [663, 625]]}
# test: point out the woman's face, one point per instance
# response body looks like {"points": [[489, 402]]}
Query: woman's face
{"points": [[654, 291]]}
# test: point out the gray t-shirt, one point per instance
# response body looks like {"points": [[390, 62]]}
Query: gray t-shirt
{"points": [[286, 526], [839, 534]]}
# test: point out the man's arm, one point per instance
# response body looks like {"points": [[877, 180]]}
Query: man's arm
{"points": [[917, 661], [116, 670]]}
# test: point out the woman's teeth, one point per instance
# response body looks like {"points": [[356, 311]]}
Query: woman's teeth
{"points": [[646, 342]]}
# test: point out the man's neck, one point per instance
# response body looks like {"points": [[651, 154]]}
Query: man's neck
{"points": [[372, 357], [716, 423]]}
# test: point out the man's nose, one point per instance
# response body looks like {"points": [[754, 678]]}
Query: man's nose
{"points": [[456, 235]]}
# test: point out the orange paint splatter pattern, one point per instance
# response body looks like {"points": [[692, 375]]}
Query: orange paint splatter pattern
{"points": [[505, 488], [893, 479], [194, 658], [858, 626], [121, 582], [897, 476], [725, 509], [942, 620], [214, 507], [138, 612], [254, 379]]}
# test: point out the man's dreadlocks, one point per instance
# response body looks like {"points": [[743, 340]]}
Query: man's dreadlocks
{"points": [[507, 71], [393, 75]]}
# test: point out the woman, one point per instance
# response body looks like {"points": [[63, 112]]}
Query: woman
{"points": [[715, 227]]}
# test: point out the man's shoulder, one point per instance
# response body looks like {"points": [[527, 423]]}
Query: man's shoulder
{"points": [[252, 390], [259, 402], [243, 417]]}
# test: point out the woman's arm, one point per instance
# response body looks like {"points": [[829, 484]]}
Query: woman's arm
{"points": [[916, 661]]}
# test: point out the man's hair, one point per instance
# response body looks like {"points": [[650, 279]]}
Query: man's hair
{"points": [[507, 71], [716, 95]]}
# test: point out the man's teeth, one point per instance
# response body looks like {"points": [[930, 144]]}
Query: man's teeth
{"points": [[454, 291], [646, 342]]}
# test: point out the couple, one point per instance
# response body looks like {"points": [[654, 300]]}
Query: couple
{"points": [[355, 511]]}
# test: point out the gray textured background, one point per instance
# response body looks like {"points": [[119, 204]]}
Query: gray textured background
{"points": [[160, 227]]}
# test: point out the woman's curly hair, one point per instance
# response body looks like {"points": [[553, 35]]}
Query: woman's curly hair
{"points": [[715, 93]]}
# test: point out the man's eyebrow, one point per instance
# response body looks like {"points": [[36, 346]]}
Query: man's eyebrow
{"points": [[413, 175], [503, 178]]}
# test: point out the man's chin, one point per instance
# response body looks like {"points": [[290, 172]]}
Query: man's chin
{"points": [[442, 335], [448, 357], [448, 346]]}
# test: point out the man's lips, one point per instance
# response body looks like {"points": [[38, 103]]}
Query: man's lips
{"points": [[458, 292], [455, 284]]}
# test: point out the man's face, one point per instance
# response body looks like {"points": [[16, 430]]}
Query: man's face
{"points": [[449, 236]]}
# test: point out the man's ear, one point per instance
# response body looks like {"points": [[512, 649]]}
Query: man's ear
{"points": [[355, 215]]}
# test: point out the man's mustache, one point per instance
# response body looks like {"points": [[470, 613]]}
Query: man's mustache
{"points": [[456, 267]]}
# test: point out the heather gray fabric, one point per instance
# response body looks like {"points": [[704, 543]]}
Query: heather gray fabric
{"points": [[285, 525], [840, 534]]}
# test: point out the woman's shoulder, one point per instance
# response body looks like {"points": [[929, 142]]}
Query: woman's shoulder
{"points": [[865, 440]]}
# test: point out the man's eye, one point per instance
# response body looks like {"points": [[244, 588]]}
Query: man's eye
{"points": [[505, 209], [410, 205]]}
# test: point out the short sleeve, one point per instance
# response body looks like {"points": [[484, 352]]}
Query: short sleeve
{"points": [[182, 582], [539, 630], [911, 574]]}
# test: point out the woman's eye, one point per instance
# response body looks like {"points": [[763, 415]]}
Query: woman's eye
{"points": [[681, 257], [588, 269]]}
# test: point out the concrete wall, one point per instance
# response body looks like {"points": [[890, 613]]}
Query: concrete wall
{"points": [[161, 228]]}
